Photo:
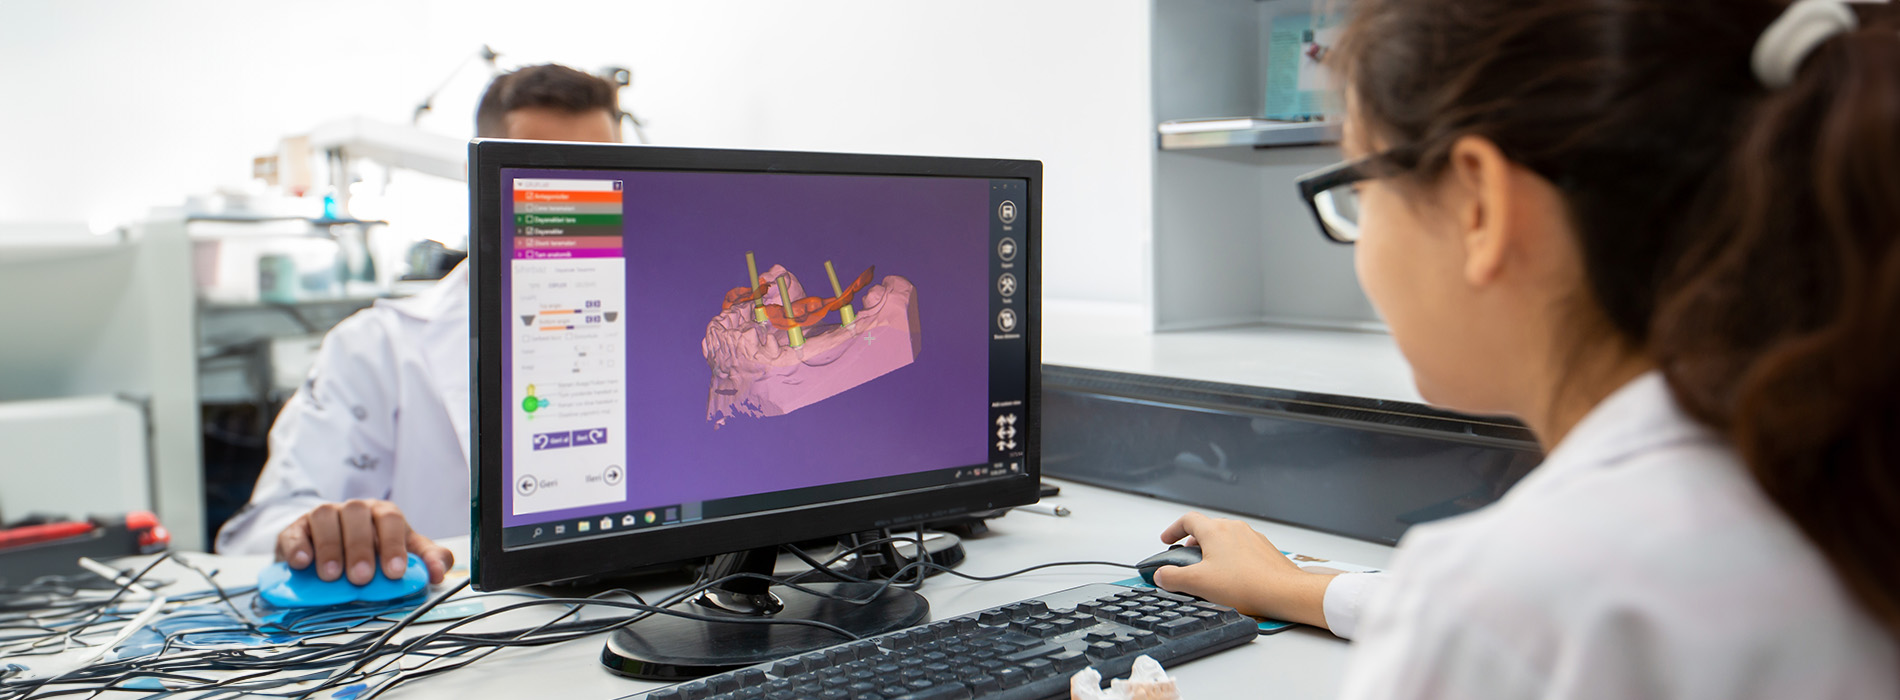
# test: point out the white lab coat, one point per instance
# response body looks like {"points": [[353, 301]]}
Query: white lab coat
{"points": [[384, 414], [1640, 561]]}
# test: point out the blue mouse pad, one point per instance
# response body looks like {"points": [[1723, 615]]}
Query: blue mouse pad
{"points": [[284, 587]]}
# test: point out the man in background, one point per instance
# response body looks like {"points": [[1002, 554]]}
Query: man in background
{"points": [[369, 459]]}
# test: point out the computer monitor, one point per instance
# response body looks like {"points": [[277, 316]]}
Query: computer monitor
{"points": [[680, 353]]}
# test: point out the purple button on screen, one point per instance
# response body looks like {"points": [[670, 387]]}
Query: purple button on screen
{"points": [[549, 441]]}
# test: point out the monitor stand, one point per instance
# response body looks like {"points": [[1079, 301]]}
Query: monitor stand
{"points": [[881, 562], [668, 648]]}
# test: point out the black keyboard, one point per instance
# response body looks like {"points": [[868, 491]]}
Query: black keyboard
{"points": [[1021, 651]]}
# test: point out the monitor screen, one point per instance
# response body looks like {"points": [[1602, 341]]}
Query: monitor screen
{"points": [[684, 346]]}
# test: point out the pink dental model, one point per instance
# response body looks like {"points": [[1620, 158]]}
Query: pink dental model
{"points": [[772, 351]]}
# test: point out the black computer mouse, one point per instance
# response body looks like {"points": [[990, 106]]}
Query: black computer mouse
{"points": [[1175, 556]]}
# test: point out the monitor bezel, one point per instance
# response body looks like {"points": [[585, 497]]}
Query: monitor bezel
{"points": [[494, 568]]}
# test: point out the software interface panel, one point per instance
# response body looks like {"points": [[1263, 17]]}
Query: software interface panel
{"points": [[690, 345]]}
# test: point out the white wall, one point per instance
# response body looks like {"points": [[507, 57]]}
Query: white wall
{"points": [[114, 107]]}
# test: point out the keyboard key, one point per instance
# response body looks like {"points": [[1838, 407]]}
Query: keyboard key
{"points": [[1039, 668], [788, 667], [948, 691], [1010, 677], [1180, 625], [1068, 661], [722, 684], [984, 683]]}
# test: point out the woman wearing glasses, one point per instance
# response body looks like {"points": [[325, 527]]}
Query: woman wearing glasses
{"points": [[1665, 234]]}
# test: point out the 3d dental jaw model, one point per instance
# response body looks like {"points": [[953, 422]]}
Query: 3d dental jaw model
{"points": [[775, 348]]}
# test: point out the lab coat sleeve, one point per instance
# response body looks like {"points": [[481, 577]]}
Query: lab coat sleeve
{"points": [[334, 439], [1345, 596]]}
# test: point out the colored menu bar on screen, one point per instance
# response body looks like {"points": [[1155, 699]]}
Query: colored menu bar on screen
{"points": [[559, 219]]}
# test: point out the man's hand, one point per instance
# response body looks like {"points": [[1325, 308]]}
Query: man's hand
{"points": [[352, 536], [1240, 568]]}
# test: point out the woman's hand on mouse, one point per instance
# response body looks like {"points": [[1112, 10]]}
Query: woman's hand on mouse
{"points": [[1240, 568], [352, 536]]}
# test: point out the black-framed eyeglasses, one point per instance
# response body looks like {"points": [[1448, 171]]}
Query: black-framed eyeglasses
{"points": [[1331, 194]]}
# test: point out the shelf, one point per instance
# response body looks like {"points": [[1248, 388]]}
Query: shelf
{"points": [[250, 218], [1278, 135]]}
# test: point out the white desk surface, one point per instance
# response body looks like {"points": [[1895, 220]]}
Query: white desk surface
{"points": [[1104, 525], [1339, 362]]}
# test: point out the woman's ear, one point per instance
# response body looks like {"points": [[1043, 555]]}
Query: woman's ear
{"points": [[1479, 186]]}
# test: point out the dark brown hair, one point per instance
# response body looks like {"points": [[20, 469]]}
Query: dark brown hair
{"points": [[548, 86], [1744, 237]]}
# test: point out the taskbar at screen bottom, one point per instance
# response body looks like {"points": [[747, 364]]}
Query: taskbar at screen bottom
{"points": [[610, 524]]}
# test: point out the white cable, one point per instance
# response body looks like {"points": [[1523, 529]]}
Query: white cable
{"points": [[138, 622], [1787, 42]]}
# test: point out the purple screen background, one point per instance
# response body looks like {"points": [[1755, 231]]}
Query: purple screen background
{"points": [[686, 238]]}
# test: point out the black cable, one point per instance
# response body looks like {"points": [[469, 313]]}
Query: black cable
{"points": [[447, 643], [917, 566], [26, 644], [647, 611], [89, 621], [222, 595]]}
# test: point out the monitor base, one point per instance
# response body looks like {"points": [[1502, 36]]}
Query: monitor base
{"points": [[667, 648]]}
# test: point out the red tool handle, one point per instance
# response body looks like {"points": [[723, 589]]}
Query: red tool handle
{"points": [[22, 536]]}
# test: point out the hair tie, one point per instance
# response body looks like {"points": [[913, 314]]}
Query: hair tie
{"points": [[1787, 42]]}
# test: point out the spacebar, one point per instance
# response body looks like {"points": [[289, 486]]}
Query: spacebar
{"points": [[947, 691]]}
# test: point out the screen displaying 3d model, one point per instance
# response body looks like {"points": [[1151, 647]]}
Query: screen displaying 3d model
{"points": [[681, 337]]}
